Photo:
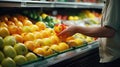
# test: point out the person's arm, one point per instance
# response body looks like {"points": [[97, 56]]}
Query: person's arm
{"points": [[96, 31], [89, 31]]}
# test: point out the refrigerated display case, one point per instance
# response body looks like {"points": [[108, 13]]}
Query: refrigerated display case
{"points": [[83, 56]]}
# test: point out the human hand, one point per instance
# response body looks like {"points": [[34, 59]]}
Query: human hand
{"points": [[71, 30]]}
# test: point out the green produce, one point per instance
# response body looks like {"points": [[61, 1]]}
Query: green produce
{"points": [[8, 62], [31, 56], [1, 56], [20, 59], [1, 42], [20, 48], [9, 51], [9, 40]]}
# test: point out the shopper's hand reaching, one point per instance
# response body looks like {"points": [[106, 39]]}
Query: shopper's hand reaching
{"points": [[71, 30]]}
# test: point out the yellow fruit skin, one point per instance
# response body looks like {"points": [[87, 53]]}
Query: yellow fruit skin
{"points": [[4, 32], [55, 47], [76, 42], [63, 46], [47, 50], [39, 51]]}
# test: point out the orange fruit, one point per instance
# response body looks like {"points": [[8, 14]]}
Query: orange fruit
{"points": [[3, 24], [55, 47], [10, 23], [50, 31], [39, 51], [28, 36], [4, 32], [46, 42], [38, 43], [34, 28], [69, 38], [18, 23], [29, 45], [38, 35], [44, 33], [27, 22], [55, 39], [63, 46], [13, 29], [4, 18], [47, 50], [18, 38], [41, 25]]}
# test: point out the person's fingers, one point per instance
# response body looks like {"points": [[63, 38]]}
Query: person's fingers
{"points": [[61, 33]]}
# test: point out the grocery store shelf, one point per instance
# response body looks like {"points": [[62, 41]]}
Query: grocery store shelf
{"points": [[63, 56], [78, 5], [18, 3]]}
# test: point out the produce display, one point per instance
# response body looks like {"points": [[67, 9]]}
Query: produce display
{"points": [[26, 37]]}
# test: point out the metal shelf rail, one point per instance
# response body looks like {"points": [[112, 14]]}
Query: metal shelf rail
{"points": [[19, 3]]}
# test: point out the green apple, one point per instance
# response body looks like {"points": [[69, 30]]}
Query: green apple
{"points": [[0, 65], [31, 56], [20, 48], [8, 62], [20, 59], [1, 42], [1, 56], [9, 51], [9, 40]]}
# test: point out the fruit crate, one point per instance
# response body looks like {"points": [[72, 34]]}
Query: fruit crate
{"points": [[61, 56], [42, 58]]}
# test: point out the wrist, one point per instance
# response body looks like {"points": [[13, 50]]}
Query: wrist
{"points": [[77, 29]]}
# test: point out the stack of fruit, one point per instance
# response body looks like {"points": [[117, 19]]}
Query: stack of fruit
{"points": [[13, 53], [36, 37], [19, 36], [35, 15]]}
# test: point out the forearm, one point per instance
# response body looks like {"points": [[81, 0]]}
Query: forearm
{"points": [[95, 31]]}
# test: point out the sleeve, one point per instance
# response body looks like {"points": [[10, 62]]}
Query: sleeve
{"points": [[113, 15]]}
